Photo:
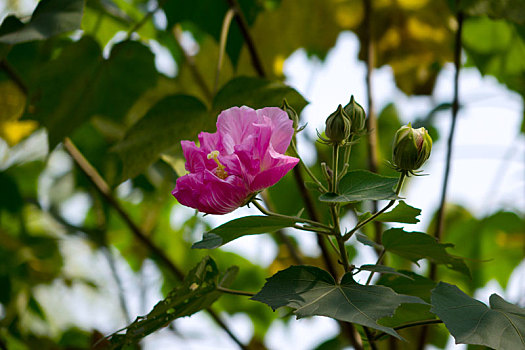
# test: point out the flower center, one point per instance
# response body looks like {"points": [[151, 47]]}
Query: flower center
{"points": [[220, 171]]}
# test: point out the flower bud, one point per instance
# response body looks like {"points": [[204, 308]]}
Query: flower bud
{"points": [[357, 116], [292, 114], [338, 126], [411, 148]]}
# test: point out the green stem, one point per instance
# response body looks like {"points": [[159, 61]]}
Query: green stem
{"points": [[371, 218], [346, 158], [308, 171], [377, 263], [235, 292], [298, 219], [313, 229], [409, 325]]}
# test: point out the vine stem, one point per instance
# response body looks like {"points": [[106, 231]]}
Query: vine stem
{"points": [[105, 191], [364, 222]]}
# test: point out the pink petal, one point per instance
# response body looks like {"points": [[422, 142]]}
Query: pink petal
{"points": [[186, 187], [210, 142], [195, 157], [269, 177], [221, 196], [234, 125], [282, 127]]}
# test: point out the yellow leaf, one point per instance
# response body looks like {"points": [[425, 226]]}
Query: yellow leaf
{"points": [[14, 131]]}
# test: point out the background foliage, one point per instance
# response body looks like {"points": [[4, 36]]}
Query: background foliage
{"points": [[88, 72]]}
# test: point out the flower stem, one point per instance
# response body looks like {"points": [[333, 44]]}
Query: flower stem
{"points": [[298, 219], [335, 167], [308, 171], [371, 218]]}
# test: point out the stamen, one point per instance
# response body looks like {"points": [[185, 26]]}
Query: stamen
{"points": [[220, 171]]}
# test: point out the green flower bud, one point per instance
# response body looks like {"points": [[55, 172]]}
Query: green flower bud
{"points": [[411, 148], [338, 126], [292, 114], [357, 116]]}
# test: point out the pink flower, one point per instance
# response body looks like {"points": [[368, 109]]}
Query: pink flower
{"points": [[244, 156]]}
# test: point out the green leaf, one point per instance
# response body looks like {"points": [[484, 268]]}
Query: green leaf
{"points": [[362, 238], [311, 291], [360, 185], [384, 270], [50, 18], [256, 93], [80, 84], [512, 10], [417, 245], [401, 213], [198, 291], [502, 326], [248, 225], [172, 119]]}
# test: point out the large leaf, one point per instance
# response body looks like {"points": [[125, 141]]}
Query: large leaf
{"points": [[256, 93], [248, 225], [360, 185], [502, 326], [311, 291], [417, 245], [50, 18], [172, 119], [80, 84], [403, 213], [198, 291]]}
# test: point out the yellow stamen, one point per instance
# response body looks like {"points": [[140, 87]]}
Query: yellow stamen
{"points": [[220, 171]]}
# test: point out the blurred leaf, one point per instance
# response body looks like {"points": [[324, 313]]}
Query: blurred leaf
{"points": [[256, 93], [360, 185], [415, 246], [403, 213], [294, 24], [50, 18], [198, 291], [362, 238], [415, 38], [172, 119], [208, 16], [12, 100], [311, 291], [472, 322], [79, 84], [248, 225], [512, 10]]}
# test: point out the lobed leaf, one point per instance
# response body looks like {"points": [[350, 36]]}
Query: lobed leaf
{"points": [[403, 213], [312, 291], [502, 326], [417, 245]]}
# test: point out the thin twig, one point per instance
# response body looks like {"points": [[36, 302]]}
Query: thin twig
{"points": [[235, 292], [377, 263], [105, 191], [409, 325], [145, 19], [245, 31]]}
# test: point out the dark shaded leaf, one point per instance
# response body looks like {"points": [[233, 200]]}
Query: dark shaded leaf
{"points": [[256, 93], [172, 119], [360, 185], [50, 18], [248, 225], [362, 238], [383, 270], [502, 326], [417, 245], [311, 291], [80, 83]]}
